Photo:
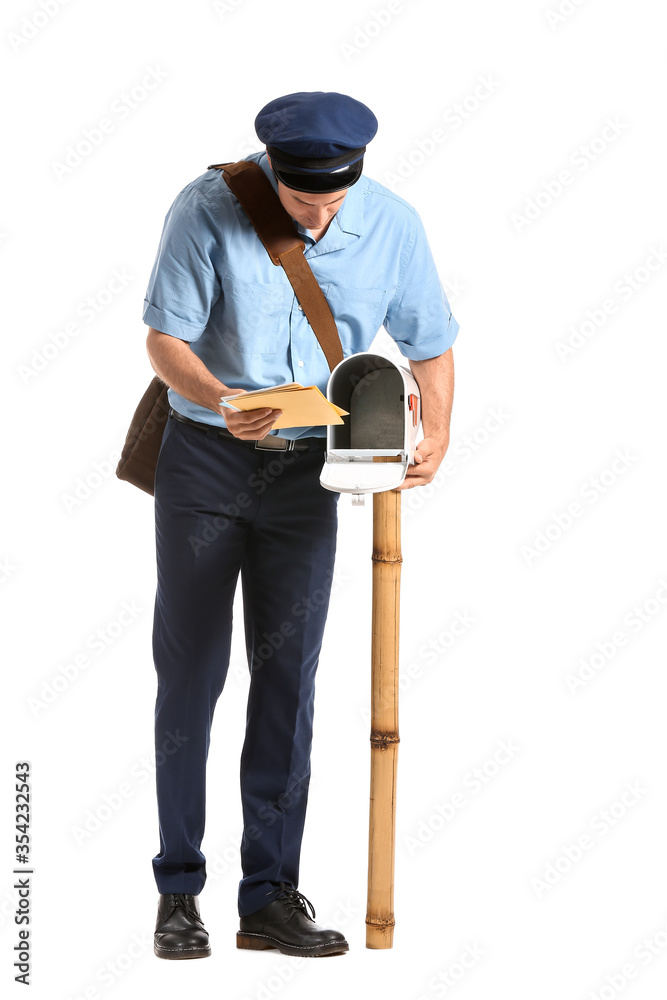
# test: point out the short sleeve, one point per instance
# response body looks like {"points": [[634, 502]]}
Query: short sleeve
{"points": [[419, 317], [184, 284]]}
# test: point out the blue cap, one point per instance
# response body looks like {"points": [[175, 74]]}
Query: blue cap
{"points": [[316, 140]]}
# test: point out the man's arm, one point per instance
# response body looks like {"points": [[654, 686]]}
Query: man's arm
{"points": [[176, 364], [435, 378]]}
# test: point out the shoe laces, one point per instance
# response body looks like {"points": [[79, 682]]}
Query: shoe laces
{"points": [[181, 899], [295, 898]]}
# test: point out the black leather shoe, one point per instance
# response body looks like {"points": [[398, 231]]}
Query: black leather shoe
{"points": [[179, 930], [285, 924]]}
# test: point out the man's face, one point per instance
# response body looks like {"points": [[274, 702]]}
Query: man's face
{"points": [[312, 211]]}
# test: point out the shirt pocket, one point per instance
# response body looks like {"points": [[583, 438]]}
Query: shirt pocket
{"points": [[255, 313], [359, 314]]}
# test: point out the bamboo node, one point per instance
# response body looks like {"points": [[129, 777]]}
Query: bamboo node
{"points": [[384, 559], [383, 740], [380, 922]]}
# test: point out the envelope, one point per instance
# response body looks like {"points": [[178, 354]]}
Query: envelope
{"points": [[302, 406]]}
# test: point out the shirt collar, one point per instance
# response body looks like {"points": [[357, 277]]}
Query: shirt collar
{"points": [[350, 215]]}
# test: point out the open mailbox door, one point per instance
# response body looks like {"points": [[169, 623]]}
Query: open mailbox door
{"points": [[384, 412]]}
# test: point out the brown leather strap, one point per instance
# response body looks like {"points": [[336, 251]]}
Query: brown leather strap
{"points": [[262, 206], [275, 228]]}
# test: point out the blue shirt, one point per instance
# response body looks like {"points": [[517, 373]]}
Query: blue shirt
{"points": [[214, 285]]}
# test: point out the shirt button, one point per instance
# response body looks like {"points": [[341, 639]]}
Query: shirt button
{"points": [[300, 364], [300, 307]]}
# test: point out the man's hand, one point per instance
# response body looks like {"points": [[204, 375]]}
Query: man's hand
{"points": [[429, 453], [435, 378], [249, 424], [177, 365]]}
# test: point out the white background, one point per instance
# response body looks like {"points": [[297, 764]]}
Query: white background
{"points": [[483, 543]]}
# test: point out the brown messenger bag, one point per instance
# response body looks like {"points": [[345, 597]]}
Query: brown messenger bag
{"points": [[275, 228]]}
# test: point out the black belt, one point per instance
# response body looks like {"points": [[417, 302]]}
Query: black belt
{"points": [[270, 443]]}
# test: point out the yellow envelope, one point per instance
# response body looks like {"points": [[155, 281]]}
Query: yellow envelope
{"points": [[302, 406]]}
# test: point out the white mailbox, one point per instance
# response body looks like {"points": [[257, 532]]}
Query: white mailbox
{"points": [[384, 411]]}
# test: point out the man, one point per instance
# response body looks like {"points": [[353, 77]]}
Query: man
{"points": [[232, 496]]}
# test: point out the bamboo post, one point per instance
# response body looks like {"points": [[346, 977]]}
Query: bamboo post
{"points": [[384, 716]]}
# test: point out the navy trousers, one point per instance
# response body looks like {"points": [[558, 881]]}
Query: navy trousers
{"points": [[223, 508]]}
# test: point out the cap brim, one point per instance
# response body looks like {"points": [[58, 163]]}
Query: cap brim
{"points": [[318, 183]]}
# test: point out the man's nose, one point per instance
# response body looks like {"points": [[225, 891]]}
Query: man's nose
{"points": [[320, 216]]}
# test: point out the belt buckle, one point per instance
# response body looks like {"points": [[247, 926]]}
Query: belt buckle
{"points": [[285, 445]]}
